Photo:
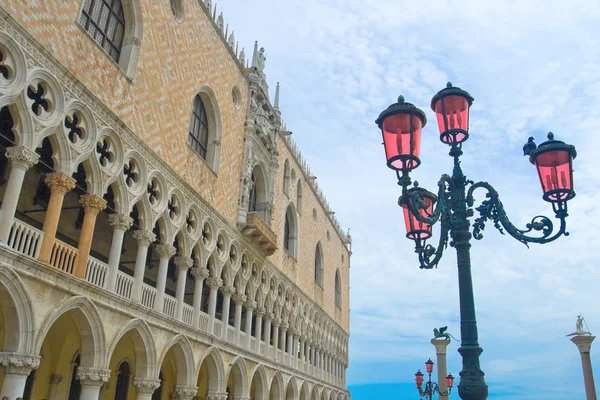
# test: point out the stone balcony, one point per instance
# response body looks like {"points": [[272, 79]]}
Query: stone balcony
{"points": [[260, 233]]}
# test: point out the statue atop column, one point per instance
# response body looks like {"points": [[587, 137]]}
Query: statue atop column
{"points": [[579, 330]]}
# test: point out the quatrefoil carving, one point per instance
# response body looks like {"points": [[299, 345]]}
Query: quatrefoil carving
{"points": [[105, 153], [40, 103], [190, 222], [74, 124], [153, 192], [173, 207], [5, 69], [131, 173]]}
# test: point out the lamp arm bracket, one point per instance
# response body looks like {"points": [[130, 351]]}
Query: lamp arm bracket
{"points": [[445, 185], [493, 209], [429, 256]]}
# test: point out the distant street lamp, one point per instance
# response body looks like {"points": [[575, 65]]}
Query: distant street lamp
{"points": [[401, 125], [431, 387]]}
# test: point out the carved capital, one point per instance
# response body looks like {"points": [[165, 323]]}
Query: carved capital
{"points": [[250, 305], [241, 398], [18, 363], [144, 237], [276, 322], [185, 392], [200, 273], [21, 157], [214, 283], [55, 379], [183, 262], [239, 298], [145, 385], [120, 221], [60, 182], [260, 311], [92, 204], [227, 290], [93, 376], [165, 250], [285, 326], [216, 396]]}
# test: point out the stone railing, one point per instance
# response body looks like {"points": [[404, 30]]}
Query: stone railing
{"points": [[124, 285], [96, 272], [188, 314], [63, 256], [25, 239], [148, 295], [169, 306]]}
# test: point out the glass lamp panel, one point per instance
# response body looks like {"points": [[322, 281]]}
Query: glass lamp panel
{"points": [[419, 379], [429, 366], [416, 229], [554, 169], [400, 144], [454, 115], [450, 381]]}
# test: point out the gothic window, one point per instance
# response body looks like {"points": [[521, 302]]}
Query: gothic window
{"points": [[198, 136], [299, 196], [319, 265], [252, 200], [105, 22], [338, 289], [290, 231], [122, 386], [286, 176]]}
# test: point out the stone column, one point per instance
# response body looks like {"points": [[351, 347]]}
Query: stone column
{"points": [[185, 392], [214, 284], [276, 322], [216, 396], [165, 252], [120, 223], [54, 380], [584, 344], [144, 238], [241, 398], [283, 336], [92, 206], [250, 306], [290, 345], [440, 351], [59, 184], [227, 291], [258, 328], [182, 264], [16, 368], [20, 159], [267, 334], [91, 380], [199, 274], [145, 387], [302, 348], [238, 300]]}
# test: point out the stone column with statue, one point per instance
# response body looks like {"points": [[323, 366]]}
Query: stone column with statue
{"points": [[441, 341], [583, 340]]}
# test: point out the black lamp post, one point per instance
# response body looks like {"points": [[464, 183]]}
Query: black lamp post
{"points": [[431, 387], [401, 125]]}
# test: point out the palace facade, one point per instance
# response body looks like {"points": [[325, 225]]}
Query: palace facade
{"points": [[161, 236]]}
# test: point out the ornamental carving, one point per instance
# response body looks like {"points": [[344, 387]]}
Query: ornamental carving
{"points": [[144, 237], [18, 363], [165, 250], [146, 385], [183, 262], [200, 273], [214, 283], [228, 290], [186, 392], [120, 221], [216, 396], [60, 182], [93, 376], [21, 157], [92, 204], [239, 298]]}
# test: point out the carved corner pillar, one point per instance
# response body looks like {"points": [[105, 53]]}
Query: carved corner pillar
{"points": [[92, 206], [185, 392], [92, 380], [59, 184], [145, 387], [16, 368]]}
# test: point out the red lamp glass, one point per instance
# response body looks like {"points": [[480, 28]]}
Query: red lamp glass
{"points": [[451, 106], [419, 379], [554, 162], [429, 366], [401, 125], [450, 381], [415, 229]]}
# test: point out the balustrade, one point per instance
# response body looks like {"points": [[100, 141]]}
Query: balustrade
{"points": [[148, 295], [124, 285], [25, 239], [188, 314], [96, 272], [169, 306], [63, 256]]}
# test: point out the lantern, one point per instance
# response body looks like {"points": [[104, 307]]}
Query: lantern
{"points": [[429, 366], [554, 162], [450, 381], [415, 229], [419, 379], [451, 106], [401, 125]]}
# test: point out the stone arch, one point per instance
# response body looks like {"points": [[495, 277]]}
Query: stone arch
{"points": [[286, 175], [213, 113], [259, 195], [305, 391], [258, 385], [132, 42], [184, 358], [216, 372], [292, 392], [16, 308], [237, 375], [290, 232], [144, 347], [319, 264], [277, 387], [89, 323]]}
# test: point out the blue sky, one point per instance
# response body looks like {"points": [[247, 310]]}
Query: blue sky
{"points": [[532, 66]]}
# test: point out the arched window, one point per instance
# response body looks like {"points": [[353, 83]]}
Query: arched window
{"points": [[319, 265], [338, 289], [299, 196], [104, 20], [258, 195], [198, 136], [122, 386], [252, 199], [290, 231], [286, 176]]}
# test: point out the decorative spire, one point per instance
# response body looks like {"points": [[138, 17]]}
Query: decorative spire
{"points": [[242, 57], [276, 106], [255, 55], [221, 23], [226, 31], [208, 4], [231, 40], [215, 13]]}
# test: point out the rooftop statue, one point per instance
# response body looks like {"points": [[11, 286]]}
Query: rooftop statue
{"points": [[441, 333], [579, 330]]}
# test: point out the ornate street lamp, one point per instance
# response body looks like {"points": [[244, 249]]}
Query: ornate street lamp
{"points": [[431, 387], [401, 125]]}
